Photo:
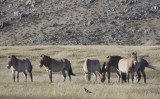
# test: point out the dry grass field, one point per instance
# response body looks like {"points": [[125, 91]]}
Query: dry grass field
{"points": [[40, 88]]}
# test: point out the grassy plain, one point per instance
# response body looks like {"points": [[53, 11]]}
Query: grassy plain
{"points": [[40, 88]]}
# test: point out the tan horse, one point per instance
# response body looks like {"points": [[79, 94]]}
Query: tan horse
{"points": [[56, 65], [143, 63], [18, 65], [129, 65], [111, 61], [91, 66]]}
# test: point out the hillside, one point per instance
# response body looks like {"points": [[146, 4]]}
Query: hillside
{"points": [[79, 22]]}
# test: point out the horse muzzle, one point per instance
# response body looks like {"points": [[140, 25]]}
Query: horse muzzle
{"points": [[40, 65], [8, 66]]}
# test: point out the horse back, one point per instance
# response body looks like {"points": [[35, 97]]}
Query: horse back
{"points": [[91, 65], [114, 61], [123, 65], [57, 65]]}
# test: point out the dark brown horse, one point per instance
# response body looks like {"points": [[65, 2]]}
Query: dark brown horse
{"points": [[56, 65], [18, 65], [109, 62], [143, 63]]}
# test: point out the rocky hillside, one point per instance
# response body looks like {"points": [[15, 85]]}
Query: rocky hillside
{"points": [[62, 22]]}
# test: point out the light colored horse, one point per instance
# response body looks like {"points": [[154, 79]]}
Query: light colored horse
{"points": [[111, 61], [56, 65], [91, 66], [18, 65], [143, 63], [129, 65]]}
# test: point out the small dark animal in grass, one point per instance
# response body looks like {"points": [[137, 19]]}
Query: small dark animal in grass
{"points": [[18, 65], [56, 65], [87, 91], [110, 61], [143, 63]]}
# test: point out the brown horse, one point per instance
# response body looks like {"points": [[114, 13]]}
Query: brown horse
{"points": [[56, 65], [129, 65], [18, 65], [109, 62], [143, 63], [91, 66]]}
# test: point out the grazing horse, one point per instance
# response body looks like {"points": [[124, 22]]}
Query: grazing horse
{"points": [[18, 65], [56, 65], [109, 62], [143, 63], [91, 66], [129, 65]]}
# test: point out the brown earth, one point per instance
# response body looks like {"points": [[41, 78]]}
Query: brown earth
{"points": [[79, 22]]}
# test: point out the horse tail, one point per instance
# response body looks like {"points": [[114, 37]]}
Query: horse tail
{"points": [[30, 65], [70, 71], [149, 66]]}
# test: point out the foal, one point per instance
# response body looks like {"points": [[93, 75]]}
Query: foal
{"points": [[18, 65], [143, 63]]}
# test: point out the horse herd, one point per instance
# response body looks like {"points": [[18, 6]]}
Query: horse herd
{"points": [[123, 67]]}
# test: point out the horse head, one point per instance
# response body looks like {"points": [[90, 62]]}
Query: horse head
{"points": [[135, 61], [11, 60], [44, 60], [104, 69]]}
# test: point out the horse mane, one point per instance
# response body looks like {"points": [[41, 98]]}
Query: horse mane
{"points": [[47, 63]]}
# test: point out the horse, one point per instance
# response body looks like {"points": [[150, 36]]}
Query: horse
{"points": [[18, 65], [91, 66], [128, 65], [111, 61], [143, 63], [56, 65]]}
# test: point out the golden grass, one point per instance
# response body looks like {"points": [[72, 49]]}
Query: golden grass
{"points": [[41, 88]]}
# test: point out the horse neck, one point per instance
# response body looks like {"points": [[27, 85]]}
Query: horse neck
{"points": [[48, 62], [15, 64], [131, 62]]}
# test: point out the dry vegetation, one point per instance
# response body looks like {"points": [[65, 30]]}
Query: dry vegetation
{"points": [[41, 88]]}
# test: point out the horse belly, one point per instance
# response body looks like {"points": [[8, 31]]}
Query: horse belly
{"points": [[21, 67], [57, 68], [122, 66], [95, 67]]}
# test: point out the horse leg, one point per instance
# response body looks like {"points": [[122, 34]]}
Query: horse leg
{"points": [[95, 76], [17, 76], [13, 72], [50, 75], [127, 74], [132, 77], [69, 75], [144, 76], [30, 73], [139, 76], [119, 76], [64, 75], [108, 75], [25, 75]]}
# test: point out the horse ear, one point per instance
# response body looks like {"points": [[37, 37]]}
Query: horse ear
{"points": [[42, 55], [136, 53], [108, 57]]}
